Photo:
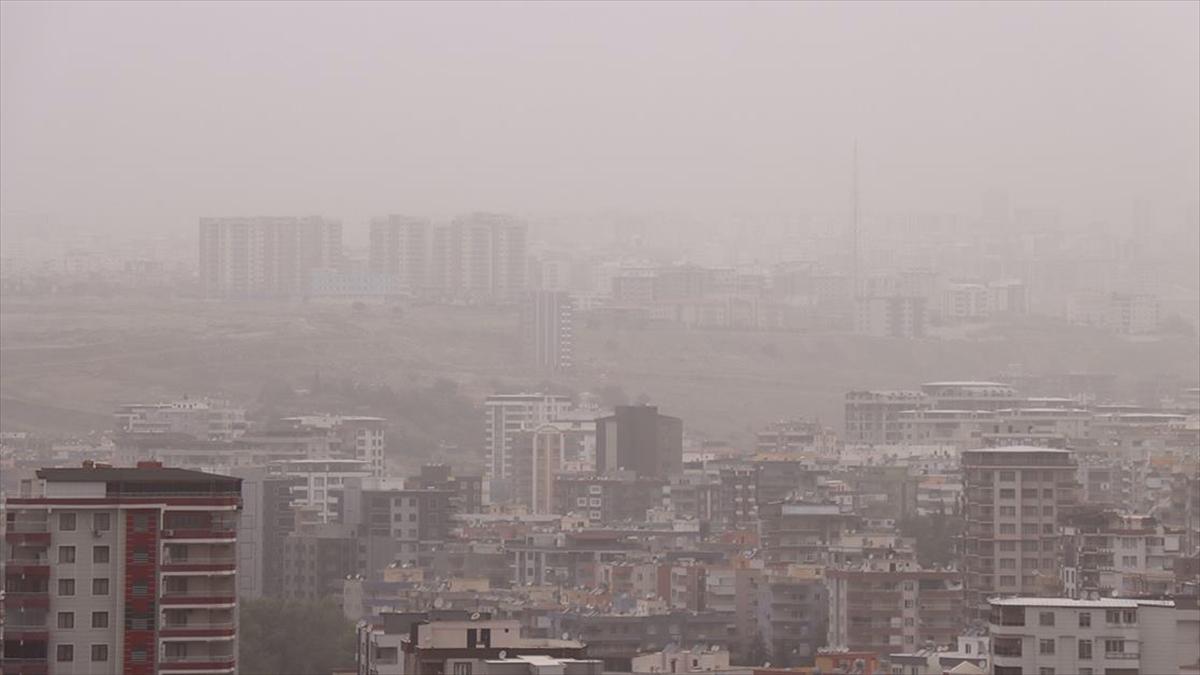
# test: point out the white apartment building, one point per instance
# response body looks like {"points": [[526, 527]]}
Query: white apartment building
{"points": [[266, 257], [205, 419], [1109, 636], [505, 415], [352, 437], [322, 482]]}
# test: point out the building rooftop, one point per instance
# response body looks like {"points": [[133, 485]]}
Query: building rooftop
{"points": [[140, 474], [1099, 603], [1020, 448]]}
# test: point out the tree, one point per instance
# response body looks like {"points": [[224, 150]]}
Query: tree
{"points": [[295, 637]]}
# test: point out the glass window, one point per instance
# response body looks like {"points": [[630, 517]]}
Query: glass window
{"points": [[1045, 618], [66, 523], [1085, 619], [99, 619], [1046, 647], [101, 522], [65, 653], [99, 586], [66, 587], [66, 554], [1085, 650], [66, 619], [99, 652], [99, 554]]}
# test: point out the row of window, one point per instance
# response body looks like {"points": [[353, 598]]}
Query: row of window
{"points": [[66, 554], [101, 522], [1026, 528], [66, 653], [66, 587], [67, 619]]}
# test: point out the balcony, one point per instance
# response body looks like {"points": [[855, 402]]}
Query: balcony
{"points": [[1122, 656], [38, 566], [214, 596], [200, 662], [26, 599], [15, 666], [215, 533], [221, 565]]}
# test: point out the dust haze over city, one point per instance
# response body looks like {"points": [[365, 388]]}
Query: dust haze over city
{"points": [[586, 338]]}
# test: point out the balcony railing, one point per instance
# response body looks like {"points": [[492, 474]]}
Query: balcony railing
{"points": [[28, 526], [1121, 655], [197, 658]]}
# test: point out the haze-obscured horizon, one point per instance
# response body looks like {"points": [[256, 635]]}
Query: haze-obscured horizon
{"points": [[146, 116]]}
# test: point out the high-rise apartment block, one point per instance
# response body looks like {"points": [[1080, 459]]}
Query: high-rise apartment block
{"points": [[637, 438], [400, 249], [507, 414], [121, 570], [478, 257], [1014, 500], [548, 331], [265, 257]]}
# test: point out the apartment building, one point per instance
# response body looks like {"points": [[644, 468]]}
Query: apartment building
{"points": [[350, 436], [793, 613], [267, 257], [400, 250], [1014, 501], [321, 483], [548, 331], [480, 257], [874, 417], [538, 456], [129, 570], [201, 418], [1108, 636], [504, 416], [801, 532], [892, 316], [886, 606]]}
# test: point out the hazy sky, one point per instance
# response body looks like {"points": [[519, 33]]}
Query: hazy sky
{"points": [[151, 114]]}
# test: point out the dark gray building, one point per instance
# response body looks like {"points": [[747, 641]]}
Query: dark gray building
{"points": [[638, 439]]}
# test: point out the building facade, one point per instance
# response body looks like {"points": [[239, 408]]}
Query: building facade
{"points": [[130, 570]]}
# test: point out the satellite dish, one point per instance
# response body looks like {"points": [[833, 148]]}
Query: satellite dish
{"points": [[474, 616], [503, 654], [439, 603], [566, 636]]}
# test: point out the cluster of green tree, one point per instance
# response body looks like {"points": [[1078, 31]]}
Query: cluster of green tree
{"points": [[936, 537], [299, 638]]}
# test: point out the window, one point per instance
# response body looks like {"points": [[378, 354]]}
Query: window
{"points": [[65, 653], [1047, 510], [99, 652], [1008, 510], [581, 501], [66, 619], [1008, 546], [1114, 646], [1085, 619], [1129, 616], [66, 587], [1029, 528], [1008, 528], [99, 586], [1086, 671], [1045, 670], [1007, 476], [1029, 563], [1085, 650], [1008, 563], [1129, 560], [462, 669], [101, 522], [99, 619], [1045, 618], [1128, 542], [594, 501], [1008, 580], [1048, 493], [1008, 493], [66, 523], [1047, 528], [908, 604], [66, 554], [1046, 647], [1113, 616], [138, 656], [100, 554], [412, 517]]}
